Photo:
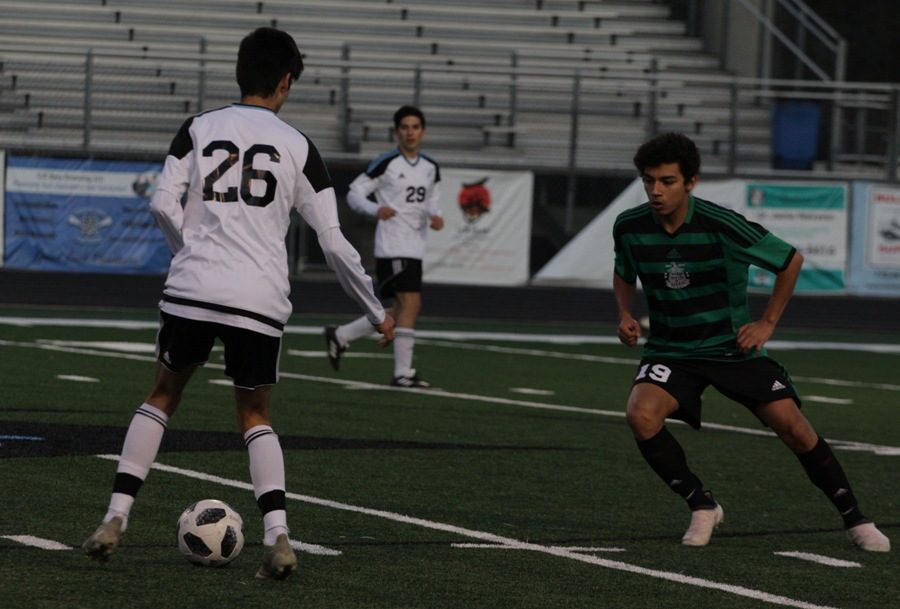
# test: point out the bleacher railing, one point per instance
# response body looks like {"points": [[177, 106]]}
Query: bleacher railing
{"points": [[576, 120]]}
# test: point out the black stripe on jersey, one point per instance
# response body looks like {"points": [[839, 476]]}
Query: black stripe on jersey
{"points": [[636, 220], [657, 281], [315, 170], [379, 165], [700, 252], [731, 224], [702, 331], [223, 309], [787, 260], [687, 306], [182, 143], [437, 168]]}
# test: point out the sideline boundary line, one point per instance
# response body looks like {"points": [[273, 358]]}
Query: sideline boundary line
{"points": [[876, 449], [453, 335]]}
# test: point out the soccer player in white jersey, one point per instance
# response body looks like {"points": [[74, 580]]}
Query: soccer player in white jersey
{"points": [[407, 202], [242, 170]]}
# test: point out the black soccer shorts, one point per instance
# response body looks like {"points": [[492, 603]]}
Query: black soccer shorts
{"points": [[251, 358], [398, 275], [750, 382]]}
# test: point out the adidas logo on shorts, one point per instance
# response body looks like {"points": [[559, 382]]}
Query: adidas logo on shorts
{"points": [[777, 386]]}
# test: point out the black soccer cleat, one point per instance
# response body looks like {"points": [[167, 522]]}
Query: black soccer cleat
{"points": [[410, 382], [333, 348]]}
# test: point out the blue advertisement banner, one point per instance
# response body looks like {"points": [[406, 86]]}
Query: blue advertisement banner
{"points": [[875, 248], [82, 216]]}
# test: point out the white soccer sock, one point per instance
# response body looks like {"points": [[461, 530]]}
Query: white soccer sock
{"points": [[145, 433], [404, 343], [274, 523], [356, 329], [267, 474]]}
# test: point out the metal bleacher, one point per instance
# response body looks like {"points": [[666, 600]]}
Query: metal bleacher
{"points": [[496, 80]]}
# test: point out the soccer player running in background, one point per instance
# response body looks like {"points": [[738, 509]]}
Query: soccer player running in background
{"points": [[692, 258], [407, 202], [243, 170]]}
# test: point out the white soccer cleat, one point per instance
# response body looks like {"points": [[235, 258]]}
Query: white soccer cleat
{"points": [[104, 541], [703, 523], [278, 561], [866, 536]]}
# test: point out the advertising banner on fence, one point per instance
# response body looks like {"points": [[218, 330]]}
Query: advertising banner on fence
{"points": [[875, 253], [83, 216], [812, 218], [487, 229]]}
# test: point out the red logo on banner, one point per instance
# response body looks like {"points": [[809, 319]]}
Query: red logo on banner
{"points": [[474, 199]]}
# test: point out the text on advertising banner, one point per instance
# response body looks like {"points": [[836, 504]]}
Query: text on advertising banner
{"points": [[82, 216], [812, 218]]}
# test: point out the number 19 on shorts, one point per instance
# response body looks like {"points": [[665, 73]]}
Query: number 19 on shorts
{"points": [[656, 372]]}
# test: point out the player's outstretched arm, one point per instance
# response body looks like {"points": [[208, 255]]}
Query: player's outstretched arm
{"points": [[755, 335], [344, 260]]}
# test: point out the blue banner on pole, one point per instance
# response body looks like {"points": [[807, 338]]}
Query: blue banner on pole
{"points": [[82, 216]]}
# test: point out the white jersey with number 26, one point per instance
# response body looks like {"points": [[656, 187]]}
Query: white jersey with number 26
{"points": [[242, 170]]}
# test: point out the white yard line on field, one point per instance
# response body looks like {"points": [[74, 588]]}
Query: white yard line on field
{"points": [[558, 551], [37, 542], [494, 546], [839, 444], [822, 560], [451, 335]]}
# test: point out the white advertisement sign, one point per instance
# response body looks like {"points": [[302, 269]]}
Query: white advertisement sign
{"points": [[487, 229], [883, 243]]}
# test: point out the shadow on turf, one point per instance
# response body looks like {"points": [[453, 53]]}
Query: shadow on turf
{"points": [[26, 439]]}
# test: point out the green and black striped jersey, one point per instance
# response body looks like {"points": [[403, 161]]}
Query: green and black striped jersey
{"points": [[695, 280]]}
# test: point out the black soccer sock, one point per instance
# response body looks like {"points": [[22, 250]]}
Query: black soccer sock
{"points": [[127, 484], [826, 472], [271, 501], [665, 456]]}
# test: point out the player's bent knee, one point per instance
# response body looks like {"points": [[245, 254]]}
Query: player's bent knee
{"points": [[644, 420]]}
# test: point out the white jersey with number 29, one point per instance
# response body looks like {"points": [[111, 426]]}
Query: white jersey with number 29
{"points": [[242, 170], [411, 188]]}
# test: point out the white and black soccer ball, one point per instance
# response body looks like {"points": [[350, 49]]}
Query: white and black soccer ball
{"points": [[210, 533]]}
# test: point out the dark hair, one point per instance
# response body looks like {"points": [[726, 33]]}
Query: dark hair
{"points": [[669, 148], [264, 57], [405, 111]]}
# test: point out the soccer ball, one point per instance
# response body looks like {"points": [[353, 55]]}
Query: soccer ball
{"points": [[210, 533]]}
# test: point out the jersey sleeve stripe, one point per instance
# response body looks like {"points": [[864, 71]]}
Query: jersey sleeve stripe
{"points": [[182, 143], [315, 169], [379, 165]]}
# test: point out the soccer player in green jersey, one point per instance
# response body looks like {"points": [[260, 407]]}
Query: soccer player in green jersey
{"points": [[692, 257]]}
